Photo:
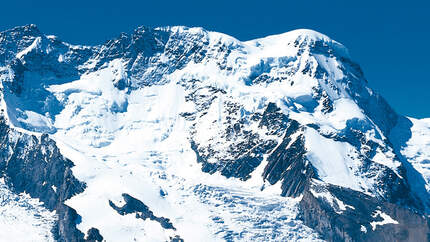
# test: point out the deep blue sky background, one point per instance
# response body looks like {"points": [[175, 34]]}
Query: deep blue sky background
{"points": [[389, 39]]}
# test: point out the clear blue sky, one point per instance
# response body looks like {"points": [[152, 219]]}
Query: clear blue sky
{"points": [[389, 39]]}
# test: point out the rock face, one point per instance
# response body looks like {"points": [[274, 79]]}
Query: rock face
{"points": [[35, 166], [181, 134], [288, 163], [363, 219]]}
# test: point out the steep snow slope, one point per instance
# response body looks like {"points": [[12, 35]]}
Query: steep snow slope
{"points": [[417, 149], [180, 133]]}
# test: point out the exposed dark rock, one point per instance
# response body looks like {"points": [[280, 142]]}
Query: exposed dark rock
{"points": [[94, 235], [391, 187], [35, 166], [247, 149], [274, 120], [176, 239], [133, 205], [288, 163], [15, 40], [17, 70], [355, 222]]}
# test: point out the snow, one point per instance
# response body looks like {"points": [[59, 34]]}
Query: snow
{"points": [[343, 110], [23, 218], [276, 43], [338, 205], [34, 120], [417, 148], [388, 159], [36, 44], [334, 161], [386, 219]]}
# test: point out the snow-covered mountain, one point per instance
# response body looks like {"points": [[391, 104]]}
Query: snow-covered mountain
{"points": [[182, 134]]}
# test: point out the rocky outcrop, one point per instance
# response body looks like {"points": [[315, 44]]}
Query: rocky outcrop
{"points": [[137, 207], [133, 205], [34, 165], [247, 147], [288, 163], [93, 234], [340, 214]]}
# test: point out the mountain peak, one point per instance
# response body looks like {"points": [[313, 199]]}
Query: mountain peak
{"points": [[308, 34], [25, 30], [304, 39]]}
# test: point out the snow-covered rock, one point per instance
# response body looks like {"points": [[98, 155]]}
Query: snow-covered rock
{"points": [[179, 133]]}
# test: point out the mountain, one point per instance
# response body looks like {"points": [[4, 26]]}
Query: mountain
{"points": [[182, 134]]}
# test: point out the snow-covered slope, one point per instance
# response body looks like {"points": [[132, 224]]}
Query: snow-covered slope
{"points": [[417, 148], [24, 218], [179, 133]]}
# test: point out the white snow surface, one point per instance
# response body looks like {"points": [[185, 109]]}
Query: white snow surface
{"points": [[417, 149], [23, 218], [386, 219], [335, 161]]}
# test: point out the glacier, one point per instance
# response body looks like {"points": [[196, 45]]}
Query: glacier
{"points": [[183, 134]]}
